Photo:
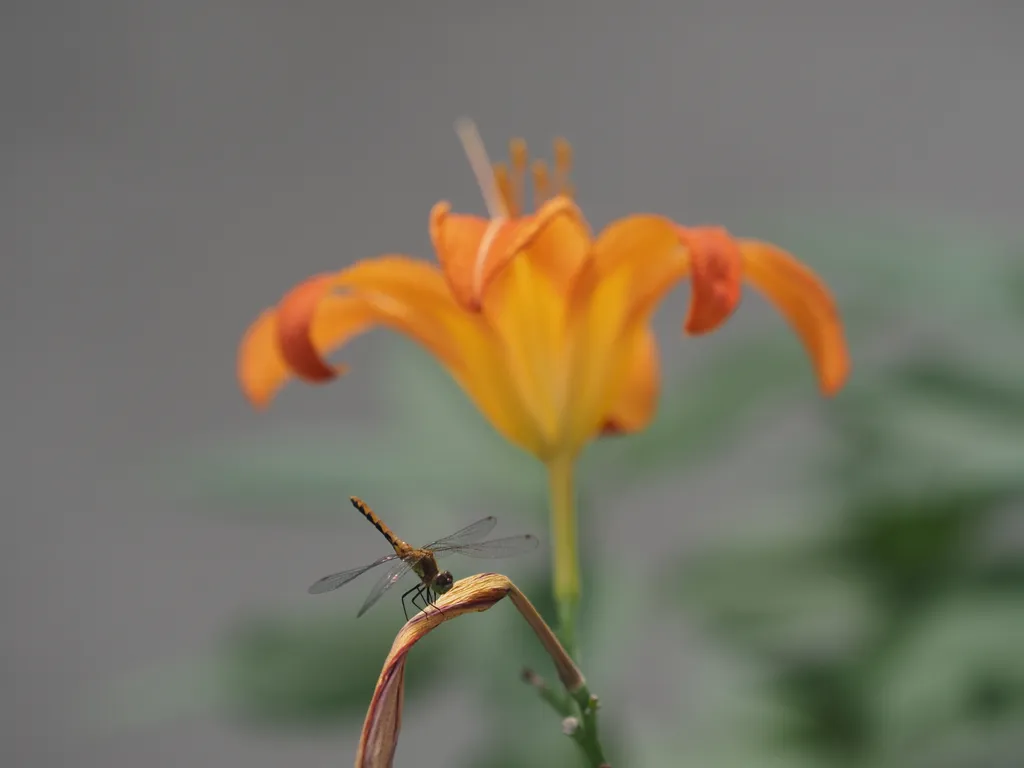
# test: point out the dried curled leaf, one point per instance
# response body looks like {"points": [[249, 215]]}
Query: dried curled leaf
{"points": [[379, 738]]}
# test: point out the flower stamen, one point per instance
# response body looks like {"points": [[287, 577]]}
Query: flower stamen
{"points": [[519, 158], [504, 182], [541, 183], [476, 153], [563, 165]]}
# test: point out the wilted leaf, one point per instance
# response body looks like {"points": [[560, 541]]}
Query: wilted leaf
{"points": [[476, 593]]}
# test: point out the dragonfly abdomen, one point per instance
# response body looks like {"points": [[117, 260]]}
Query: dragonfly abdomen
{"points": [[399, 546]]}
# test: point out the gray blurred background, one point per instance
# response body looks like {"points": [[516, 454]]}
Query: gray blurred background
{"points": [[169, 169]]}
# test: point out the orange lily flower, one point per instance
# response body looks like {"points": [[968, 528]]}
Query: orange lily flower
{"points": [[545, 326]]}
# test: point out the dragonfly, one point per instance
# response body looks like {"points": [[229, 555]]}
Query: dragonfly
{"points": [[423, 560]]}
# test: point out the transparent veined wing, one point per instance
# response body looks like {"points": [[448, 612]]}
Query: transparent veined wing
{"points": [[468, 535], [335, 580], [386, 582], [506, 547]]}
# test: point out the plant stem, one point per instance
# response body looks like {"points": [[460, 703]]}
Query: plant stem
{"points": [[579, 708], [582, 728], [586, 736], [562, 500], [557, 700]]}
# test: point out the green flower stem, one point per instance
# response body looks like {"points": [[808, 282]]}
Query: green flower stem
{"points": [[586, 734], [558, 700], [579, 713], [565, 549], [578, 708]]}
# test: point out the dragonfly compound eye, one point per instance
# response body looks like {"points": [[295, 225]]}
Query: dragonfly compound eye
{"points": [[443, 582]]}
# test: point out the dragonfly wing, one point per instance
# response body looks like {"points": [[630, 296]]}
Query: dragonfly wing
{"points": [[506, 547], [386, 582], [335, 580], [468, 535]]}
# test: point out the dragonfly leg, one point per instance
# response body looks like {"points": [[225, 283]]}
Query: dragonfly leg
{"points": [[432, 601], [419, 595], [417, 589], [427, 596]]}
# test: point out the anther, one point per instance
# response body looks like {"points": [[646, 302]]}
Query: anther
{"points": [[505, 187], [518, 158], [563, 165], [541, 183]]}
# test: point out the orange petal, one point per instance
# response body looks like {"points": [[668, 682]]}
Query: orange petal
{"points": [[637, 401], [473, 250], [312, 320], [406, 295], [261, 368], [655, 254], [281, 344], [717, 268], [634, 262], [806, 303], [295, 315], [528, 314], [526, 306], [560, 244]]}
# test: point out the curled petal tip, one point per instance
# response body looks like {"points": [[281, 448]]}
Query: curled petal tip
{"points": [[464, 246], [258, 402], [261, 370], [834, 370], [295, 318], [807, 304], [717, 270]]}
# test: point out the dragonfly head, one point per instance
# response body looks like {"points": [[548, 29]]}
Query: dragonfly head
{"points": [[443, 582]]}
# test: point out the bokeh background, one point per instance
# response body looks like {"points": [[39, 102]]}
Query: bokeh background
{"points": [[771, 579]]}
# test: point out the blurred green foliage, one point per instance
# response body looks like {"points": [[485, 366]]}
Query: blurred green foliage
{"points": [[870, 614], [296, 672], [894, 634], [928, 592]]}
